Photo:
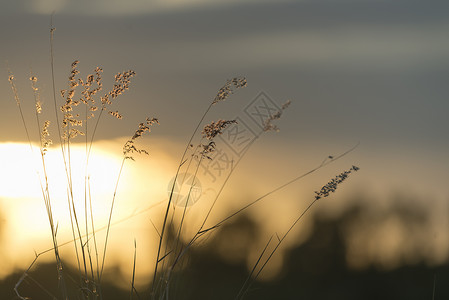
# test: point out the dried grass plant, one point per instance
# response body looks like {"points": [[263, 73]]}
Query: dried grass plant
{"points": [[78, 116]]}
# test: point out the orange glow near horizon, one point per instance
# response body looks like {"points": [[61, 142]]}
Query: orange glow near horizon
{"points": [[26, 228], [142, 196]]}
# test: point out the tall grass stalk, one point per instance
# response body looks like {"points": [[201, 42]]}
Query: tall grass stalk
{"points": [[171, 249], [222, 95], [331, 186], [43, 185]]}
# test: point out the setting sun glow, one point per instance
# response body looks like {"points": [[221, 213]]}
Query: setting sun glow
{"points": [[27, 224]]}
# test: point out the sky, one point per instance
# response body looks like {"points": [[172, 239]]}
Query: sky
{"points": [[372, 72]]}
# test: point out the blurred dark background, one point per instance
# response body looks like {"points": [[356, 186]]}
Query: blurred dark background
{"points": [[318, 268]]}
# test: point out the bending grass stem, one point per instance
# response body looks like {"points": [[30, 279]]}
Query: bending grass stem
{"points": [[276, 247], [164, 225], [323, 164], [110, 218]]}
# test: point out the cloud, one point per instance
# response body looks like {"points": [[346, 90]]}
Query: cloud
{"points": [[373, 46], [120, 7]]}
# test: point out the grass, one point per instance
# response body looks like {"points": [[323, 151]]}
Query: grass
{"points": [[79, 110]]}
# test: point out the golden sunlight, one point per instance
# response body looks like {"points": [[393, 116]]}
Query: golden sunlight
{"points": [[26, 229], [138, 207]]}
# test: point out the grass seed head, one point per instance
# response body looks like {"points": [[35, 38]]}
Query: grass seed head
{"points": [[228, 88], [213, 129], [268, 125], [129, 146], [332, 185]]}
